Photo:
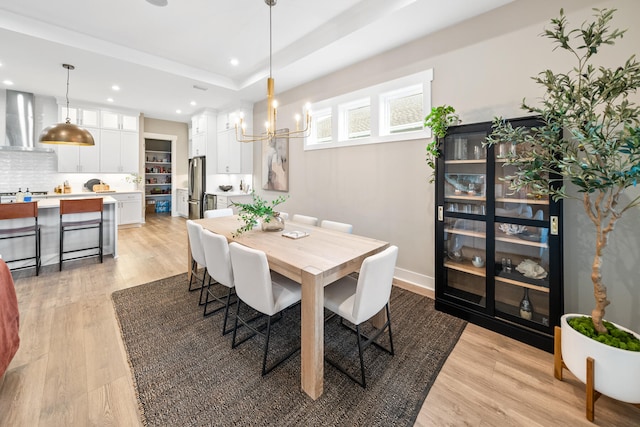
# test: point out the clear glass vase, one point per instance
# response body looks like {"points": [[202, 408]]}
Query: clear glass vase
{"points": [[273, 223]]}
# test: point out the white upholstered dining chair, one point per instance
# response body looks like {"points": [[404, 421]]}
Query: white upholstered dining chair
{"points": [[338, 226], [359, 300], [218, 213], [194, 230], [304, 219], [216, 254], [263, 290]]}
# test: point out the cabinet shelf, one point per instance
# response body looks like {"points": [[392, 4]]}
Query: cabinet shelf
{"points": [[522, 284], [158, 173], [465, 162], [157, 151], [465, 198], [501, 237], [524, 201], [159, 183], [470, 233], [466, 267]]}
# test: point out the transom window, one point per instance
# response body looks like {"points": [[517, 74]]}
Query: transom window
{"points": [[391, 111]]}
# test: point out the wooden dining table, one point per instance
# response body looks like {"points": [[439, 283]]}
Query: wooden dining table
{"points": [[314, 261]]}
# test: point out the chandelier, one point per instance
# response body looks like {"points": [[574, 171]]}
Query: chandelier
{"points": [[272, 108]]}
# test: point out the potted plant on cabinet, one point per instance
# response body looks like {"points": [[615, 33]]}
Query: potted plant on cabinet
{"points": [[260, 211], [590, 137], [438, 120]]}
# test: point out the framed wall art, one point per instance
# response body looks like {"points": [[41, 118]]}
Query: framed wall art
{"points": [[275, 162]]}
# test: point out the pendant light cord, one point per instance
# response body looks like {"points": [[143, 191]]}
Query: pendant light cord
{"points": [[68, 67], [270, 42]]}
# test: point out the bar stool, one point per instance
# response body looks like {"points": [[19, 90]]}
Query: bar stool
{"points": [[81, 206], [9, 211]]}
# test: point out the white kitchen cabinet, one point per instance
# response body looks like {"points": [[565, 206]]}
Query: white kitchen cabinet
{"points": [[182, 195], [229, 152], [84, 159], [85, 117], [233, 156], [203, 133], [118, 121], [228, 201], [129, 207], [119, 151]]}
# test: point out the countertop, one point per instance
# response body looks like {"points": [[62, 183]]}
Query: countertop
{"points": [[90, 193], [55, 203], [230, 193]]}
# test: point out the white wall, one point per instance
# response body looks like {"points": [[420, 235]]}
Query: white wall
{"points": [[483, 68]]}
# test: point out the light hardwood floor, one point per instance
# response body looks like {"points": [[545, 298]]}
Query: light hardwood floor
{"points": [[71, 369]]}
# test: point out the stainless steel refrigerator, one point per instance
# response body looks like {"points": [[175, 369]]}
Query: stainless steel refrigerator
{"points": [[197, 186]]}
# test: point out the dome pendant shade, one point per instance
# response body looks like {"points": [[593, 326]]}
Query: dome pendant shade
{"points": [[67, 134]]}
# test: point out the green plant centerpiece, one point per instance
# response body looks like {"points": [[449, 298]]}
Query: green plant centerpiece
{"points": [[438, 120], [258, 210], [589, 136]]}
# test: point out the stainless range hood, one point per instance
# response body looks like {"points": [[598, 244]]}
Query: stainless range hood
{"points": [[20, 123]]}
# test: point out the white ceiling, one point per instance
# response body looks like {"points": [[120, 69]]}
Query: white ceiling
{"points": [[157, 54]]}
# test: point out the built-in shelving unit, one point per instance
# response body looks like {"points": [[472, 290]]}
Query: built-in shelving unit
{"points": [[157, 178], [488, 234]]}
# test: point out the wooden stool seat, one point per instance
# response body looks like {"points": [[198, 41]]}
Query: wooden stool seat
{"points": [[13, 211], [81, 206]]}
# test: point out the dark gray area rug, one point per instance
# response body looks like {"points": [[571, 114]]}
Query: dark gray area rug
{"points": [[186, 373]]}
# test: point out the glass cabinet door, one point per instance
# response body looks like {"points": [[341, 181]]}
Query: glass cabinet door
{"points": [[521, 255], [465, 260], [522, 272], [464, 212]]}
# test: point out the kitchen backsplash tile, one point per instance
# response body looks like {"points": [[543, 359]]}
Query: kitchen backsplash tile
{"points": [[27, 169]]}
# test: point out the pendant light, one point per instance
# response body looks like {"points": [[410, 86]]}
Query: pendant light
{"points": [[272, 107], [67, 133]]}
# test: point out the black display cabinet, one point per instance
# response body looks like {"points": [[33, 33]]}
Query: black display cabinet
{"points": [[498, 251]]}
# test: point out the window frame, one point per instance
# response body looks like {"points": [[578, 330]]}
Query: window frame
{"points": [[378, 96]]}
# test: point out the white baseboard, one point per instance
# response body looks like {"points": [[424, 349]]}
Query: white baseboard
{"points": [[419, 280]]}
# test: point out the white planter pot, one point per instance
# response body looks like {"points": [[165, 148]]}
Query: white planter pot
{"points": [[616, 371]]}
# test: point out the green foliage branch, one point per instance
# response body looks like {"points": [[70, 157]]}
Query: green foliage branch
{"points": [[258, 209], [590, 136], [438, 120]]}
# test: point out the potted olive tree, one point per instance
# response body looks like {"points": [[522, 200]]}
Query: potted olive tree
{"points": [[438, 120], [590, 138]]}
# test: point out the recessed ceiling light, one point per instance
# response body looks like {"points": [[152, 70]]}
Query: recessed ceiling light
{"points": [[160, 3], [109, 99], [234, 62], [193, 103], [179, 111], [8, 82], [115, 87]]}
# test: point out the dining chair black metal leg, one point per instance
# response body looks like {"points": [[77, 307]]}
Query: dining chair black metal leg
{"points": [[193, 273], [359, 337], [226, 313], [266, 346], [204, 276], [388, 325]]}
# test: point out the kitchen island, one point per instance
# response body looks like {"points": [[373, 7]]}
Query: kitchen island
{"points": [[49, 222]]}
